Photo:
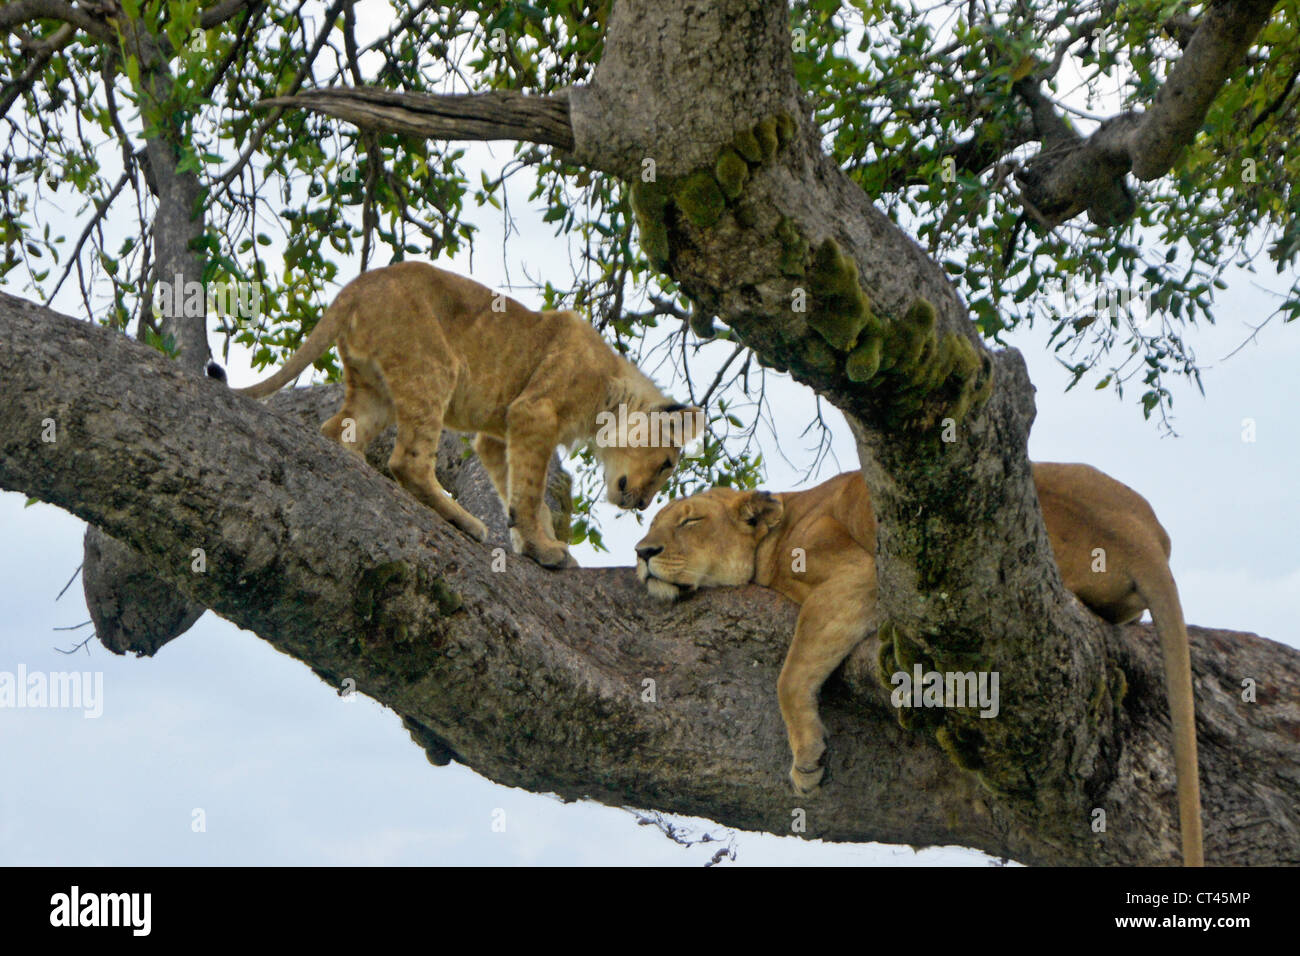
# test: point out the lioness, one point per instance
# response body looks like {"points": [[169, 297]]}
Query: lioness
{"points": [[728, 537], [426, 348]]}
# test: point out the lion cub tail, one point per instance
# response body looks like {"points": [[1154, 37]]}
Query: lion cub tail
{"points": [[313, 347], [1160, 593]]}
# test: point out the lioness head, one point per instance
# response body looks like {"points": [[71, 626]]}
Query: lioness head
{"points": [[640, 449], [706, 540]]}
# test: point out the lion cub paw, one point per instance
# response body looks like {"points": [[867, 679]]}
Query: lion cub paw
{"points": [[806, 782], [552, 556], [549, 554], [473, 527]]}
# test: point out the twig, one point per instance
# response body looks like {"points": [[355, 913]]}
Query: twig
{"points": [[70, 580]]}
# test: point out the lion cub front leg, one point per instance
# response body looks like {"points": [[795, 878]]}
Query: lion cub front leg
{"points": [[834, 618], [492, 453], [530, 441]]}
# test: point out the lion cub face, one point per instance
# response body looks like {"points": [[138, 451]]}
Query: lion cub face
{"points": [[706, 540], [642, 451]]}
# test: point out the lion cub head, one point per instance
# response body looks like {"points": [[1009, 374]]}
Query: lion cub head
{"points": [[706, 540], [640, 449]]}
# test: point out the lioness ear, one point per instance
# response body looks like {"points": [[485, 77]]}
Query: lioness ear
{"points": [[688, 422], [760, 509]]}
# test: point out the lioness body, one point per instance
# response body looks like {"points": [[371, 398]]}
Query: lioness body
{"points": [[727, 537], [429, 349]]}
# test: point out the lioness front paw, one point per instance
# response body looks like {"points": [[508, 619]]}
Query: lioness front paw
{"points": [[806, 782], [806, 770]]}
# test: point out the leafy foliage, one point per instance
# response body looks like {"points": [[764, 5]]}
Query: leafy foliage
{"points": [[899, 91], [920, 106]]}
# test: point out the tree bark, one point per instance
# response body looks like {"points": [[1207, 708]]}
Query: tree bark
{"points": [[537, 678], [500, 114], [135, 611]]}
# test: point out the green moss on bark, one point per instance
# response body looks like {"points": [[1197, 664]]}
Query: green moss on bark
{"points": [[962, 745], [746, 144], [731, 172], [819, 355], [786, 128], [700, 197], [864, 361], [794, 248], [650, 203], [768, 142], [841, 310]]}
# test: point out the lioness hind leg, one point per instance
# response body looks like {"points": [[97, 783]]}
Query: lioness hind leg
{"points": [[419, 426], [835, 617], [530, 441]]}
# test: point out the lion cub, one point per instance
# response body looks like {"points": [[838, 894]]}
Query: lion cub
{"points": [[427, 348]]}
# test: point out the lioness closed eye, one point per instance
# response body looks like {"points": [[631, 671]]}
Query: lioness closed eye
{"points": [[726, 537], [427, 348]]}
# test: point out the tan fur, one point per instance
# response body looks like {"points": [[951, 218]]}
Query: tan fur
{"points": [[727, 537], [425, 348]]}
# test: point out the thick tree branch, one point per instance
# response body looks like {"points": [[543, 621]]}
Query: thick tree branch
{"points": [[222, 11], [1215, 51], [1073, 174], [1061, 181], [24, 11], [545, 688], [135, 611], [500, 114]]}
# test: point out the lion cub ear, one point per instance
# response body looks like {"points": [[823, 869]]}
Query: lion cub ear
{"points": [[760, 509], [687, 422]]}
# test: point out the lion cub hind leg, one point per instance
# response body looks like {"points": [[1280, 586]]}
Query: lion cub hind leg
{"points": [[366, 410], [834, 619], [531, 438], [419, 407]]}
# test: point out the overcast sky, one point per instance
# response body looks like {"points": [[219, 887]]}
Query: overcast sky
{"points": [[283, 771]]}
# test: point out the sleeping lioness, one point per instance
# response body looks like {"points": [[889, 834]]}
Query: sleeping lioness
{"points": [[728, 537], [427, 348]]}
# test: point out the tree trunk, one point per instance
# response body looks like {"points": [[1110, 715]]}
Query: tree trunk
{"points": [[132, 608], [538, 679]]}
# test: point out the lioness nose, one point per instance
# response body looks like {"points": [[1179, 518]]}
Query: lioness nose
{"points": [[648, 551]]}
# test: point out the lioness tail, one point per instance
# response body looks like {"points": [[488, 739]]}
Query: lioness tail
{"points": [[1160, 593]]}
